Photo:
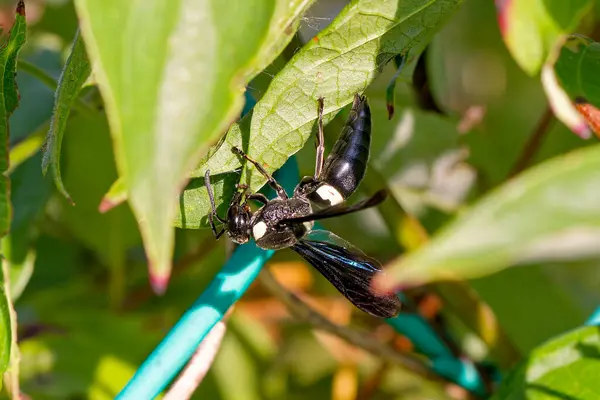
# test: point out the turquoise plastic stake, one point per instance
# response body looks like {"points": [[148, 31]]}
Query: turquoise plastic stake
{"points": [[594, 319], [428, 343], [226, 288], [181, 342]]}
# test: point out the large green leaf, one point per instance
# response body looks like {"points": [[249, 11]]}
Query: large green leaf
{"points": [[172, 75], [550, 212], [531, 28], [340, 61], [77, 69], [563, 368], [283, 26], [9, 101]]}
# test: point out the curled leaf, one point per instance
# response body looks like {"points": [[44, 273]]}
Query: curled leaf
{"points": [[76, 71]]}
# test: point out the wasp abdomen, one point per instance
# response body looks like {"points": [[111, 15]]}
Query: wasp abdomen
{"points": [[346, 164]]}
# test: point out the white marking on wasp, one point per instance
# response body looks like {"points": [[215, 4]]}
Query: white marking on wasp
{"points": [[308, 225], [330, 194], [259, 230]]}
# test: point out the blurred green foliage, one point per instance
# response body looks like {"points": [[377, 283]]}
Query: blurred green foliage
{"points": [[79, 278]]}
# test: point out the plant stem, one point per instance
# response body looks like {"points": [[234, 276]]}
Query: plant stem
{"points": [[38, 73], [193, 374], [359, 339], [51, 83], [533, 144]]}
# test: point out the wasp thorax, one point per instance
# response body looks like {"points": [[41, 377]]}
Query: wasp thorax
{"points": [[270, 232]]}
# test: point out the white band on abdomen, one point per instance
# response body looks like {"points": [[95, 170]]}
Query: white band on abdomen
{"points": [[330, 194]]}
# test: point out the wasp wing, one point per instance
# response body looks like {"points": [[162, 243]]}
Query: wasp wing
{"points": [[349, 270], [339, 209]]}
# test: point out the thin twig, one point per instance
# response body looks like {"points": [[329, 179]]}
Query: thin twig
{"points": [[352, 336], [12, 375], [193, 374], [370, 387], [533, 144], [51, 83], [38, 73]]}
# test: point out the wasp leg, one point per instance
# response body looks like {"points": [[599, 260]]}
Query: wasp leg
{"points": [[320, 143], [270, 180], [218, 235], [213, 214], [346, 163], [261, 198]]}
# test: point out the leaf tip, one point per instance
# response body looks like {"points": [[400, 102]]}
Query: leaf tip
{"points": [[67, 196], [106, 205], [21, 7], [394, 281], [382, 284], [502, 9], [45, 162], [159, 283], [390, 110], [583, 131]]}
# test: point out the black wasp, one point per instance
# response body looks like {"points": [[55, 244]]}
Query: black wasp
{"points": [[288, 221]]}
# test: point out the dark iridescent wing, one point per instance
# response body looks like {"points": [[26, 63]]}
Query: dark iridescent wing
{"points": [[349, 270], [340, 209]]}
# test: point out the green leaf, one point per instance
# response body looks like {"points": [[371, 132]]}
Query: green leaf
{"points": [[342, 60], [577, 68], [171, 84], [283, 26], [531, 28], [563, 368], [9, 100], [76, 71], [549, 212]]}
